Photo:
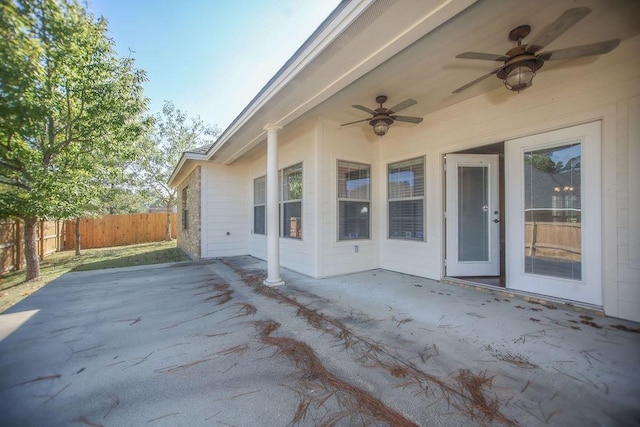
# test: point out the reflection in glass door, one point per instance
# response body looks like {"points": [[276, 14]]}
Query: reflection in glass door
{"points": [[552, 211]]}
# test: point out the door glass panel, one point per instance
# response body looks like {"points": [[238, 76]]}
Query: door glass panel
{"points": [[473, 213], [553, 212]]}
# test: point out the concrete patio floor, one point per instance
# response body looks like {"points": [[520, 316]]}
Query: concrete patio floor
{"points": [[203, 343]]}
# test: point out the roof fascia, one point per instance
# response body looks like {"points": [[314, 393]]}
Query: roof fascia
{"points": [[186, 156]]}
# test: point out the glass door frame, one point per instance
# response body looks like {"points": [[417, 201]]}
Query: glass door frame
{"points": [[455, 267], [589, 288]]}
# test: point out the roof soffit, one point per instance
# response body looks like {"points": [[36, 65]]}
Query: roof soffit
{"points": [[428, 70]]}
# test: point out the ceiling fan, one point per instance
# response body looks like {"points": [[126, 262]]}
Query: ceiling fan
{"points": [[383, 117], [522, 61]]}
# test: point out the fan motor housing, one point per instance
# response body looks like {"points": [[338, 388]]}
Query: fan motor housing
{"points": [[532, 61], [519, 33], [384, 117]]}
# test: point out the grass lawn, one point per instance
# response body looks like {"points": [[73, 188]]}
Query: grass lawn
{"points": [[13, 287]]}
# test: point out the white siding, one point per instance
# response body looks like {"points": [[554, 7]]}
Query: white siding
{"points": [[628, 209], [354, 145], [257, 242], [295, 145], [606, 89], [419, 258], [224, 210]]}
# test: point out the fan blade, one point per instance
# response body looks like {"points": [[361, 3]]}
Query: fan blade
{"points": [[567, 20], [365, 109], [404, 104], [357, 121], [478, 80], [407, 119], [578, 51], [485, 56]]}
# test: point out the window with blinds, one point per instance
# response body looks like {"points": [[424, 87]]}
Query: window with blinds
{"points": [[185, 209], [291, 201], [259, 205], [354, 193], [405, 182]]}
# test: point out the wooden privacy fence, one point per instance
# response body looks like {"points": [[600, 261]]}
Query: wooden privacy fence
{"points": [[112, 230], [119, 230], [561, 240], [50, 240]]}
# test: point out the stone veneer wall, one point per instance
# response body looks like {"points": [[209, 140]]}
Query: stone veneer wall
{"points": [[189, 239]]}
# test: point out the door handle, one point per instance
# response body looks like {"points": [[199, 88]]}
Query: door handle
{"points": [[496, 221]]}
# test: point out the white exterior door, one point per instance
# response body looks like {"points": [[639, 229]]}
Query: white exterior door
{"points": [[553, 213], [472, 215]]}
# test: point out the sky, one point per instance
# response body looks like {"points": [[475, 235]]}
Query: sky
{"points": [[209, 57]]}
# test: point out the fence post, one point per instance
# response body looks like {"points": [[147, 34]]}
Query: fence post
{"points": [[57, 235], [534, 235]]}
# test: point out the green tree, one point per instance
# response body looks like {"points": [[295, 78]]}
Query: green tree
{"points": [[541, 160], [67, 104], [122, 192], [173, 133]]}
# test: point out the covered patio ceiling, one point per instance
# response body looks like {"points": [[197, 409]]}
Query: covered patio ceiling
{"points": [[428, 70], [407, 50]]}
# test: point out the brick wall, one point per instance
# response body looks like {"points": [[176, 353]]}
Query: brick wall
{"points": [[189, 238]]}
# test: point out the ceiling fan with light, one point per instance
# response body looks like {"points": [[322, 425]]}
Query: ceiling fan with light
{"points": [[522, 61], [383, 117]]}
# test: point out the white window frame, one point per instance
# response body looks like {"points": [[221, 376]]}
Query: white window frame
{"points": [[416, 194], [295, 231], [260, 201], [185, 208], [344, 198]]}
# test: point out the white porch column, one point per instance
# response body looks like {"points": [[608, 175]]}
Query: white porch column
{"points": [[273, 217]]}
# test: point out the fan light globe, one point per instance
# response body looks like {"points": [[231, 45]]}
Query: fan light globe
{"points": [[381, 127], [520, 77]]}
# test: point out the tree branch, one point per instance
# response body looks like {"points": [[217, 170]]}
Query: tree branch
{"points": [[14, 183], [14, 166]]}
